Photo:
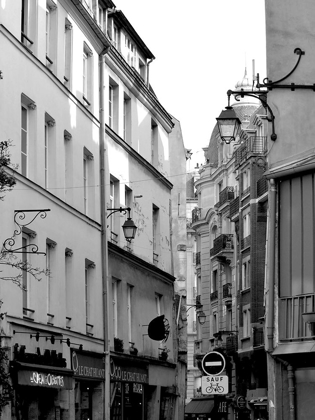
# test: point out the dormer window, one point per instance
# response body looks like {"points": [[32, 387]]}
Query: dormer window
{"points": [[131, 52]]}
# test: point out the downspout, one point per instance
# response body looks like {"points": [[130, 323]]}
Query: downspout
{"points": [[291, 388], [104, 243], [148, 79], [271, 263]]}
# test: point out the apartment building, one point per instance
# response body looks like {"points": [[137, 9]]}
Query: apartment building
{"points": [[230, 225], [91, 144]]}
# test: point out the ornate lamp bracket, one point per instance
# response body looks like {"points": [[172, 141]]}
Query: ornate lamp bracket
{"points": [[22, 221]]}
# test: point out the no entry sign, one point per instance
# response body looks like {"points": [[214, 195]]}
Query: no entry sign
{"points": [[213, 363]]}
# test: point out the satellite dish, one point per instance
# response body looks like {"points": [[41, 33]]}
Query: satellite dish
{"points": [[159, 329]]}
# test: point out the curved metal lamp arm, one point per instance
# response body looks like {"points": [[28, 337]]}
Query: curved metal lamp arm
{"points": [[123, 210], [270, 84], [262, 98]]}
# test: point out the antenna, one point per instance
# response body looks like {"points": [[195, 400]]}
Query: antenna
{"points": [[254, 74]]}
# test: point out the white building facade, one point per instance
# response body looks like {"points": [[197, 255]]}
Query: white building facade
{"points": [[88, 135]]}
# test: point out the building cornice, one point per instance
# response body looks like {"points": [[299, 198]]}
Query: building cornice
{"points": [[143, 162], [139, 262]]}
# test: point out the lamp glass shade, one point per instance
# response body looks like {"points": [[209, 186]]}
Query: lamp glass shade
{"points": [[228, 124], [129, 229], [201, 317]]}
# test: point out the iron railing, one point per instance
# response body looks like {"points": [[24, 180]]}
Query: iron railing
{"points": [[234, 206], [225, 195], [198, 259], [227, 290], [223, 242], [291, 325], [253, 145], [196, 214], [214, 295], [262, 186], [258, 336]]}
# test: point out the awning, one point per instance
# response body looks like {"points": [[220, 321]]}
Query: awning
{"points": [[199, 406], [259, 401]]}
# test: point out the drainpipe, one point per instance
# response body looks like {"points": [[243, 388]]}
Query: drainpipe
{"points": [[148, 63], [271, 263], [104, 243], [291, 388]]}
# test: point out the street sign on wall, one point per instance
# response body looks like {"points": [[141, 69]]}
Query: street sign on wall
{"points": [[215, 385], [213, 363]]}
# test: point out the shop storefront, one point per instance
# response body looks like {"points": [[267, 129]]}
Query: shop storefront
{"points": [[128, 390], [88, 370], [41, 392]]}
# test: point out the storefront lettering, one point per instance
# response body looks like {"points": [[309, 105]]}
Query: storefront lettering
{"points": [[81, 369], [46, 380], [119, 374], [89, 371]]}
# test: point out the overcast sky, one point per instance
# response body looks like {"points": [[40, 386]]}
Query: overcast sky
{"points": [[201, 49]]}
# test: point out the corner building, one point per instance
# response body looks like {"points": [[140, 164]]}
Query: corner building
{"points": [[88, 136]]}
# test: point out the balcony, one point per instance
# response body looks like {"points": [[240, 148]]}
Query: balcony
{"points": [[245, 242], [291, 325], [231, 344], [225, 196], [262, 186], [198, 259], [198, 301], [214, 296], [227, 290], [258, 337], [234, 206], [196, 214], [255, 145], [223, 244]]}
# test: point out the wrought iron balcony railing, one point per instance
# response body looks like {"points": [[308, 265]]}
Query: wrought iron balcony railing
{"points": [[291, 324], [198, 258], [227, 290], [223, 242], [214, 296], [225, 195], [245, 242], [196, 214], [256, 145], [234, 206], [258, 337], [231, 344]]}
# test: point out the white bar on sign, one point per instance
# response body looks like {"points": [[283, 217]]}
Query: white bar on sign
{"points": [[213, 363]]}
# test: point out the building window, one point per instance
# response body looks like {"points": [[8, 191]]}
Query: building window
{"points": [[159, 304], [113, 105], [87, 181], [246, 222], [116, 38], [68, 166], [87, 75], [68, 53], [50, 245], [115, 307], [246, 322], [229, 318], [28, 22], [154, 143], [129, 311], [24, 139], [246, 180], [51, 36], [142, 69], [114, 202], [131, 52], [48, 148], [214, 281], [215, 323], [246, 273], [155, 233], [25, 301], [68, 278], [89, 265], [127, 119]]}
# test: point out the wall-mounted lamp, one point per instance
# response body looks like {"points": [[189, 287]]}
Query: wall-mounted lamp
{"points": [[129, 228], [201, 316], [229, 124]]}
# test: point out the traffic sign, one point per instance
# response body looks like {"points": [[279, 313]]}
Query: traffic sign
{"points": [[214, 385], [213, 363]]}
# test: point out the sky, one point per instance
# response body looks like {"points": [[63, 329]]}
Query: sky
{"points": [[201, 50]]}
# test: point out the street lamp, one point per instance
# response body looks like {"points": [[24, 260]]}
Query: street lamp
{"points": [[201, 316], [129, 228], [229, 124]]}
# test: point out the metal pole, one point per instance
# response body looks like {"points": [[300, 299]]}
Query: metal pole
{"points": [[104, 244]]}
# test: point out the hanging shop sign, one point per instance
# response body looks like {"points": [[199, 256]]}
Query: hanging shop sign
{"points": [[127, 373], [87, 366], [44, 379]]}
